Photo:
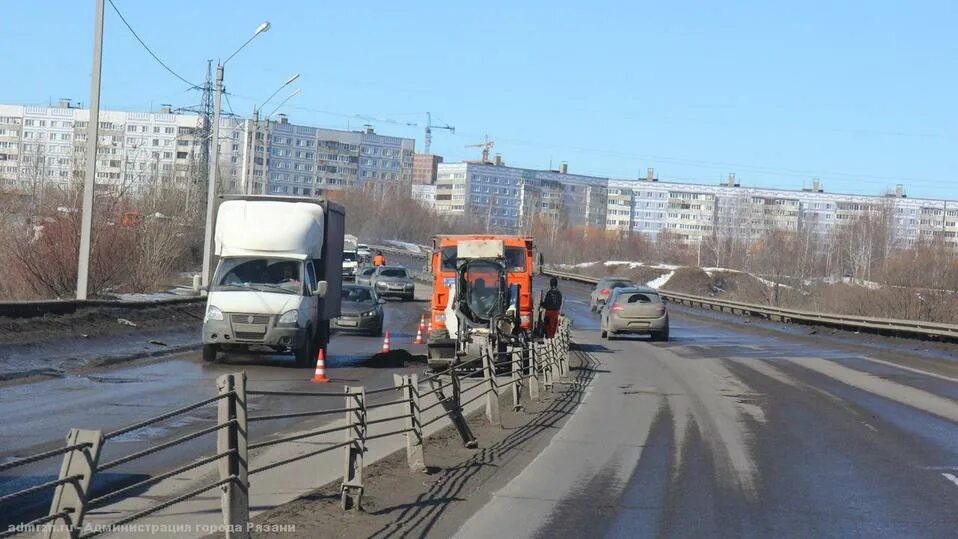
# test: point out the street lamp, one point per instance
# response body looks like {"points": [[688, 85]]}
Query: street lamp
{"points": [[214, 156], [250, 159]]}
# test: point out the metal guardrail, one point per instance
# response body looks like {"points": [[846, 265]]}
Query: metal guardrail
{"points": [[543, 363], [914, 328], [29, 309]]}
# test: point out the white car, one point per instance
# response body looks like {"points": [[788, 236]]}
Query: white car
{"points": [[363, 251]]}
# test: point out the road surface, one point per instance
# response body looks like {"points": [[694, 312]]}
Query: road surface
{"points": [[744, 430]]}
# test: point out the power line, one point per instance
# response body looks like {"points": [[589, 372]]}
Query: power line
{"points": [[145, 46]]}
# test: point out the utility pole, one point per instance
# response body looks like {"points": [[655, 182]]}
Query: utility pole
{"points": [[92, 136], [211, 187]]}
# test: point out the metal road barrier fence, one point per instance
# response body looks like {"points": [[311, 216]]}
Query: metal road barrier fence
{"points": [[885, 326], [532, 368], [29, 309]]}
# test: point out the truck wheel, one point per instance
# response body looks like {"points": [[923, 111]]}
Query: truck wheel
{"points": [[209, 352], [305, 353]]}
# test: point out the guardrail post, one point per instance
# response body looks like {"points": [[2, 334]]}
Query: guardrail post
{"points": [[234, 498], [516, 371], [533, 370], [492, 395], [352, 487], [564, 348], [72, 497], [414, 446]]}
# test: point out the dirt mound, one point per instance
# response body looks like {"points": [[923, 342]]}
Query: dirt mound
{"points": [[393, 359], [692, 281]]}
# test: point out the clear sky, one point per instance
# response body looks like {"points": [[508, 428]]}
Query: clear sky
{"points": [[859, 93]]}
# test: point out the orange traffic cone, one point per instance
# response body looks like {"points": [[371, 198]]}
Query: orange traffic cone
{"points": [[386, 343], [429, 327], [418, 336], [320, 376]]}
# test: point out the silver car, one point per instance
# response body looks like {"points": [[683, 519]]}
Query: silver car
{"points": [[393, 281], [603, 289], [635, 310], [364, 275]]}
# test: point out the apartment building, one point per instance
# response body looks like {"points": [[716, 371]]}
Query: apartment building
{"points": [[42, 146], [425, 167], [510, 198]]}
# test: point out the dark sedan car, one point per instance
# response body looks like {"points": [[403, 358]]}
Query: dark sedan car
{"points": [[393, 281], [361, 311]]}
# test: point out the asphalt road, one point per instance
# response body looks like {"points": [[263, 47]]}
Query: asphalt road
{"points": [[738, 429], [37, 415]]}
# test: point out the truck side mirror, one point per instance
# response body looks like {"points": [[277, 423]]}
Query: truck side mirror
{"points": [[320, 289]]}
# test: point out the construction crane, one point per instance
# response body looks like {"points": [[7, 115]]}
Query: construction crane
{"points": [[486, 146], [430, 125]]}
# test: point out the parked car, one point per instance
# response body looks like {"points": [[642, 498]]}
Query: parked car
{"points": [[361, 310], [364, 275], [393, 281], [635, 310], [603, 289]]}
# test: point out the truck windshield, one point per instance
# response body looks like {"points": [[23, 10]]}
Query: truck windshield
{"points": [[265, 274], [481, 289], [515, 259], [349, 256]]}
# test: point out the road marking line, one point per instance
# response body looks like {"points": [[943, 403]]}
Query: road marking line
{"points": [[911, 369], [951, 477]]}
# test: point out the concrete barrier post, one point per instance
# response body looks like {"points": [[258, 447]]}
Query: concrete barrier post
{"points": [[72, 497], [409, 385], [516, 364], [352, 487], [533, 370], [492, 391], [234, 495]]}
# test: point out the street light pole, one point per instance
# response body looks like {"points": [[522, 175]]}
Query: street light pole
{"points": [[92, 136], [214, 157]]}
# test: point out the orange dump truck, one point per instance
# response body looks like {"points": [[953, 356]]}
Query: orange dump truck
{"points": [[519, 266]]}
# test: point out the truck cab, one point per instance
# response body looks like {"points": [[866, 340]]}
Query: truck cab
{"points": [[278, 279], [518, 260]]}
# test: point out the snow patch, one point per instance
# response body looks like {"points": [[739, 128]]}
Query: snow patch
{"points": [[660, 281]]}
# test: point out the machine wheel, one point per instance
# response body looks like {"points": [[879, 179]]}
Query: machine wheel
{"points": [[305, 354], [209, 352], [604, 334], [662, 336]]}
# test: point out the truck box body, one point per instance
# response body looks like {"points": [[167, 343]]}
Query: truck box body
{"points": [[273, 255]]}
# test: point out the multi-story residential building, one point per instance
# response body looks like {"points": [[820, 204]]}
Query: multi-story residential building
{"points": [[509, 198], [425, 194], [40, 145], [304, 160], [425, 167]]}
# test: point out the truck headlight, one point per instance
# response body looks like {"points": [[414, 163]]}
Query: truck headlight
{"points": [[289, 318], [213, 313], [409, 286], [380, 285]]}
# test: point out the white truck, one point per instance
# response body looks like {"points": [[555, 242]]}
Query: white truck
{"points": [[278, 280], [350, 256]]}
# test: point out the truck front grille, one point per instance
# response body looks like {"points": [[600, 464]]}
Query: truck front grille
{"points": [[261, 319]]}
